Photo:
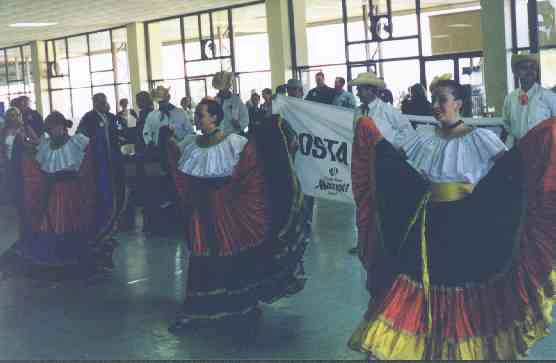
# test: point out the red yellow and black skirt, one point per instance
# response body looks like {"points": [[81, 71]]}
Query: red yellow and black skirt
{"points": [[455, 274]]}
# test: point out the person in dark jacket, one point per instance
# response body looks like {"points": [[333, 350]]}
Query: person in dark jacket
{"points": [[321, 93], [100, 122], [417, 103], [30, 117], [386, 96]]}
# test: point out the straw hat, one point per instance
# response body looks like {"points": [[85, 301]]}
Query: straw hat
{"points": [[160, 93], [524, 57], [368, 79], [222, 80]]}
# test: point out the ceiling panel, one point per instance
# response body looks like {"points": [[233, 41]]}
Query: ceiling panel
{"points": [[328, 10], [79, 16]]}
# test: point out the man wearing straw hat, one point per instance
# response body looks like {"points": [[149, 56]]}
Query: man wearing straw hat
{"points": [[393, 125], [530, 104], [166, 115], [176, 120], [236, 116]]}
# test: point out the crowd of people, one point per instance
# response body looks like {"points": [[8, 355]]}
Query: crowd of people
{"points": [[455, 228]]}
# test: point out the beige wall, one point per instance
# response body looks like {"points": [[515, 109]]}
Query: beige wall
{"points": [[453, 33]]}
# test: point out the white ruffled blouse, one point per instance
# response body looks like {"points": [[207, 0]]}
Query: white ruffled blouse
{"points": [[211, 162], [66, 158], [467, 158]]}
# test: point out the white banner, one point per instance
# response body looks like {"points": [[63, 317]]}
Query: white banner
{"points": [[325, 136]]}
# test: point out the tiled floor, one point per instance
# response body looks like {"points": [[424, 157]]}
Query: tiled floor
{"points": [[126, 315]]}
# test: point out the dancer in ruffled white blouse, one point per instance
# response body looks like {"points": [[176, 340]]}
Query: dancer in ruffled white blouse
{"points": [[59, 238], [458, 238], [241, 204]]}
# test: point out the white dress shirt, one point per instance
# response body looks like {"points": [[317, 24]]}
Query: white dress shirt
{"points": [[392, 124], [519, 119], [178, 122], [234, 109]]}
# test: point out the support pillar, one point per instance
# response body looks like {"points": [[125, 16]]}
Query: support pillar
{"points": [[155, 51], [136, 52], [279, 37], [494, 20], [39, 77]]}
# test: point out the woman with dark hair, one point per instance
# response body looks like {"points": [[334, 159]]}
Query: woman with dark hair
{"points": [[386, 96], [266, 107], [458, 239], [60, 239], [17, 144], [241, 203], [417, 103]]}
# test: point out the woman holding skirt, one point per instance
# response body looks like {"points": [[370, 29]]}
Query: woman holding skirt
{"points": [[65, 231], [457, 235], [241, 207]]}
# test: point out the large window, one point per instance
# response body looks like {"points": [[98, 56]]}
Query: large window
{"points": [[404, 41], [82, 65], [533, 27], [185, 52], [15, 74]]}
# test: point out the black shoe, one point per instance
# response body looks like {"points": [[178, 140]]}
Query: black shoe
{"points": [[354, 250]]}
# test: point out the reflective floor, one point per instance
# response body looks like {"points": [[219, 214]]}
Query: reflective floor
{"points": [[125, 315]]}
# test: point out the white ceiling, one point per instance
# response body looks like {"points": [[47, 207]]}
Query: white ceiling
{"points": [[79, 16]]}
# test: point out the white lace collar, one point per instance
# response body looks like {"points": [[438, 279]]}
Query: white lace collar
{"points": [[463, 159], [211, 162], [66, 158]]}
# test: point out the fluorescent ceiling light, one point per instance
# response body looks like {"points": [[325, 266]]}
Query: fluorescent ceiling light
{"points": [[30, 25], [440, 36], [460, 26]]}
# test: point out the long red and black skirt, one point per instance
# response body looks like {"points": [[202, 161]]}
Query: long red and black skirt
{"points": [[65, 226], [244, 232], [488, 289]]}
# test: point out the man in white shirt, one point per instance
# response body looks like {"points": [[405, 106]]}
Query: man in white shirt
{"points": [[187, 105], [530, 104], [393, 125], [166, 115], [236, 116]]}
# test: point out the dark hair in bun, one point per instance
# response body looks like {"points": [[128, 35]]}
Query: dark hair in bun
{"points": [[457, 90], [56, 118], [213, 108]]}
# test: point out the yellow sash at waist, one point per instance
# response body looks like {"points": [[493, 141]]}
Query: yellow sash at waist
{"points": [[450, 191]]}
